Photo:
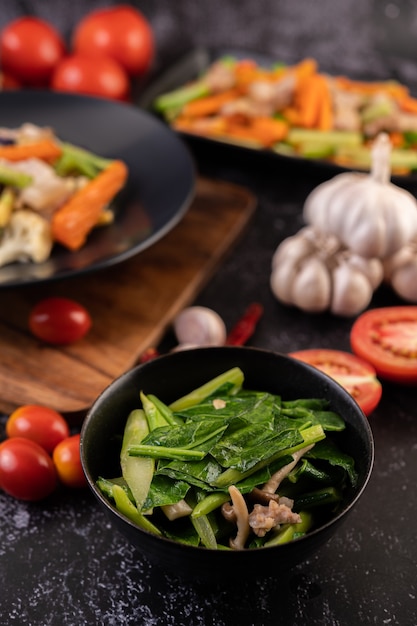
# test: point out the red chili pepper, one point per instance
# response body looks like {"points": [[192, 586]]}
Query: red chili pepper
{"points": [[238, 336], [148, 355], [246, 326]]}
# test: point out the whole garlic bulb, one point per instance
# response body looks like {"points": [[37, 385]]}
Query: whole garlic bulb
{"points": [[400, 271], [370, 215], [315, 273]]}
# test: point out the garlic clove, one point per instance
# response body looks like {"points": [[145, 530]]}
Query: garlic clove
{"points": [[352, 291], [294, 248], [311, 288], [404, 281], [200, 326], [373, 269], [282, 280]]}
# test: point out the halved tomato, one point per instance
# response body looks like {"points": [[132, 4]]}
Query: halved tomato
{"points": [[387, 338], [357, 376]]}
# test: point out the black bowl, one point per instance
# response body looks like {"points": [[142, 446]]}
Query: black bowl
{"points": [[174, 375]]}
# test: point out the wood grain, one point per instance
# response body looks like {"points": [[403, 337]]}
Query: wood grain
{"points": [[131, 304]]}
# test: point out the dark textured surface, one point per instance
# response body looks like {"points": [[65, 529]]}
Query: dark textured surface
{"points": [[61, 563]]}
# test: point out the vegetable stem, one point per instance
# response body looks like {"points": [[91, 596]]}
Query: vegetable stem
{"points": [[13, 178], [310, 435], [233, 376], [162, 452]]}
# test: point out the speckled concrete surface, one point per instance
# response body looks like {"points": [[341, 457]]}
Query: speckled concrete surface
{"points": [[61, 562]]}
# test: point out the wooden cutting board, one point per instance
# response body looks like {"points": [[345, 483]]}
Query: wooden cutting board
{"points": [[131, 304]]}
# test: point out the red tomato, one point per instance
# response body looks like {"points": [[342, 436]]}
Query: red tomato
{"points": [[59, 320], [66, 458], [30, 48], [9, 82], [38, 423], [26, 470], [100, 76], [121, 33], [357, 376], [387, 338]]}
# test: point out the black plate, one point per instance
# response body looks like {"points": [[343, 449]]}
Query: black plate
{"points": [[159, 190], [196, 62]]}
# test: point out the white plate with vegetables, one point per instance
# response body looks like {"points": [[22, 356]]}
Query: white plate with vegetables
{"points": [[299, 111], [110, 158]]}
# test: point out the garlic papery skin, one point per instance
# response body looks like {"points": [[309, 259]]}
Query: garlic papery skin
{"points": [[312, 286], [352, 291], [400, 271], [370, 215], [199, 326], [323, 275]]}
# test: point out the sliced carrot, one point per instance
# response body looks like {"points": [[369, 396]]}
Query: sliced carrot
{"points": [[72, 222], [389, 87], [408, 104], [263, 130], [309, 95], [397, 139], [325, 116], [209, 105], [306, 67], [44, 149]]}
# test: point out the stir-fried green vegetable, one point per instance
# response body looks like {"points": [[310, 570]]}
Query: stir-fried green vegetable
{"points": [[226, 467]]}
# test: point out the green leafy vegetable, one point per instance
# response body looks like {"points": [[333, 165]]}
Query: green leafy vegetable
{"points": [[187, 455]]}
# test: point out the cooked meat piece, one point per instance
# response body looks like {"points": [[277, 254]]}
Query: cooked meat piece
{"points": [[277, 94], [263, 518], [219, 77], [48, 191]]}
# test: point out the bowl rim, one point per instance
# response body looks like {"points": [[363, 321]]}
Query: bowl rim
{"points": [[311, 535]]}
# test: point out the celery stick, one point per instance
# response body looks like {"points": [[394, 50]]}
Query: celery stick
{"points": [[137, 471], [233, 376], [13, 178], [178, 97], [335, 138], [75, 160]]}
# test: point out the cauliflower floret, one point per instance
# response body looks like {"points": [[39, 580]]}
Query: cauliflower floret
{"points": [[27, 237]]}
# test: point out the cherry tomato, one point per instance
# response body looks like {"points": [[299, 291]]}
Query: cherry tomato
{"points": [[101, 76], [59, 320], [121, 33], [66, 458], [9, 82], [387, 338], [354, 374], [26, 470], [30, 48], [38, 423]]}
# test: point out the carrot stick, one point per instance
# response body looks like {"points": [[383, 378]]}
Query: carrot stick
{"points": [[408, 104], [44, 149], [307, 100], [325, 117], [209, 105], [72, 222]]}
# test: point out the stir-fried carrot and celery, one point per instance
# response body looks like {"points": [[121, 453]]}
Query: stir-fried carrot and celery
{"points": [[296, 110], [51, 192]]}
